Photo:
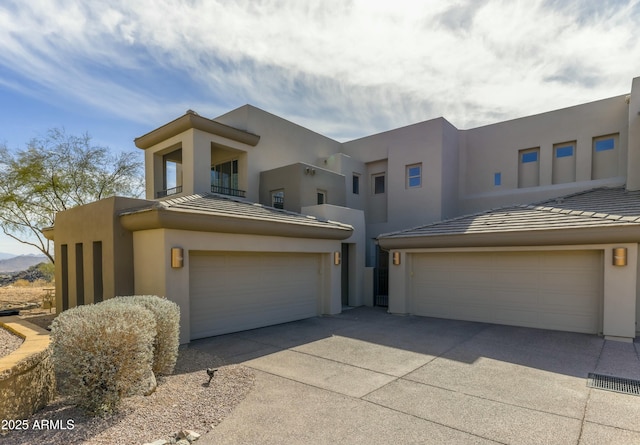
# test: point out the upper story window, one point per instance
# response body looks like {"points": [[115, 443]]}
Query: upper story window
{"points": [[171, 174], [321, 197], [378, 183], [414, 175], [277, 199], [356, 184], [604, 157], [564, 163], [497, 179], [604, 144], [529, 167], [224, 179]]}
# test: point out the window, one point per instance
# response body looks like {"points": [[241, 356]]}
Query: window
{"points": [[604, 144], [529, 167], [79, 274], [224, 178], [564, 151], [378, 184], [564, 163], [497, 179], [172, 173], [98, 287], [604, 157], [64, 271], [321, 196], [414, 175], [277, 199], [356, 184], [530, 156]]}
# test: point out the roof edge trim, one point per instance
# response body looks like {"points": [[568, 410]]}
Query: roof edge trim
{"points": [[192, 120], [159, 218]]}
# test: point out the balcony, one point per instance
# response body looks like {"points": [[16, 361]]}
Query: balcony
{"points": [[169, 192], [227, 191]]}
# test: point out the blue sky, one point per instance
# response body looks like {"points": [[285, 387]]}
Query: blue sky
{"points": [[120, 68]]}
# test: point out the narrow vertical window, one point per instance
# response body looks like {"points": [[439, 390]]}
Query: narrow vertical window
{"points": [[378, 184], [604, 157], [79, 275], [356, 184], [414, 175], [98, 289], [564, 163], [529, 167], [64, 271], [497, 179]]}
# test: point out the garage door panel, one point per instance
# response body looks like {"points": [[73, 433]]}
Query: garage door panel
{"points": [[230, 292], [553, 290]]}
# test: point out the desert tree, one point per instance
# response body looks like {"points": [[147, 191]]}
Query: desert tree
{"points": [[55, 173]]}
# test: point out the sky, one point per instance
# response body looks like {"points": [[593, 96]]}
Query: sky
{"points": [[118, 69]]}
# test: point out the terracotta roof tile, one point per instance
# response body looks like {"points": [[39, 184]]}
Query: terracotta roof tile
{"points": [[602, 207], [221, 205]]}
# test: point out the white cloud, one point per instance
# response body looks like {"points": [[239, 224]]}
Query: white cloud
{"points": [[341, 68]]}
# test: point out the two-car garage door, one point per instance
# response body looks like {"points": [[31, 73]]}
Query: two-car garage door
{"points": [[232, 291], [559, 290]]}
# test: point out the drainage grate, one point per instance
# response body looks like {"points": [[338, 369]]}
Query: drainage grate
{"points": [[617, 384]]}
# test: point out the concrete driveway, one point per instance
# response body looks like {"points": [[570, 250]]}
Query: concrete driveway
{"points": [[367, 377]]}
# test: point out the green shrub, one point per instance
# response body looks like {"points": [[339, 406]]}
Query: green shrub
{"points": [[167, 340], [102, 352]]}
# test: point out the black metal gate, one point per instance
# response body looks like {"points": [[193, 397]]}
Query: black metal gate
{"points": [[381, 278]]}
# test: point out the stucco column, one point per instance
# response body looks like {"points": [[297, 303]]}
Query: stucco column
{"points": [[633, 144], [619, 312], [398, 278]]}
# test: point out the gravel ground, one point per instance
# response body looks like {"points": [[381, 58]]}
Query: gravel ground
{"points": [[181, 401], [8, 342]]}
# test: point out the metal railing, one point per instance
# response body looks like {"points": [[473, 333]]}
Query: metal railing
{"points": [[278, 202], [227, 191], [168, 192]]}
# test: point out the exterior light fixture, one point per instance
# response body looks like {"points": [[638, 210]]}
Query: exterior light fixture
{"points": [[336, 258], [396, 258], [177, 257], [620, 256]]}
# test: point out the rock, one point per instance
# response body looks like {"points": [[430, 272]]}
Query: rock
{"points": [[188, 435], [183, 442]]}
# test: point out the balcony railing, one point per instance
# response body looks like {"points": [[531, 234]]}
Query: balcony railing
{"points": [[168, 192], [227, 191]]}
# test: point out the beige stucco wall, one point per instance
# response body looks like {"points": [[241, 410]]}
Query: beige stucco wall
{"points": [[154, 275], [392, 152], [87, 224], [301, 182], [494, 148], [355, 218], [281, 143], [633, 163], [619, 283]]}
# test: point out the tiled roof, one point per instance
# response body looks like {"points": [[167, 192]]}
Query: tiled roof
{"points": [[221, 205], [603, 207]]}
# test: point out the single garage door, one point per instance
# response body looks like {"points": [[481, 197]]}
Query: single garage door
{"points": [[233, 292], [559, 290]]}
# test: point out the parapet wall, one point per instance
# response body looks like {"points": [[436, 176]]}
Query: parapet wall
{"points": [[27, 378]]}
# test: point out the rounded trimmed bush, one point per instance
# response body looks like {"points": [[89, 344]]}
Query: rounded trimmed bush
{"points": [[102, 352], [167, 340]]}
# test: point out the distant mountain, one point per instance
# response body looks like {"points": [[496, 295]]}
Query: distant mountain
{"points": [[21, 262], [5, 256]]}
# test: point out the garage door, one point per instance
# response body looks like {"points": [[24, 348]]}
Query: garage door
{"points": [[551, 290], [233, 292]]}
